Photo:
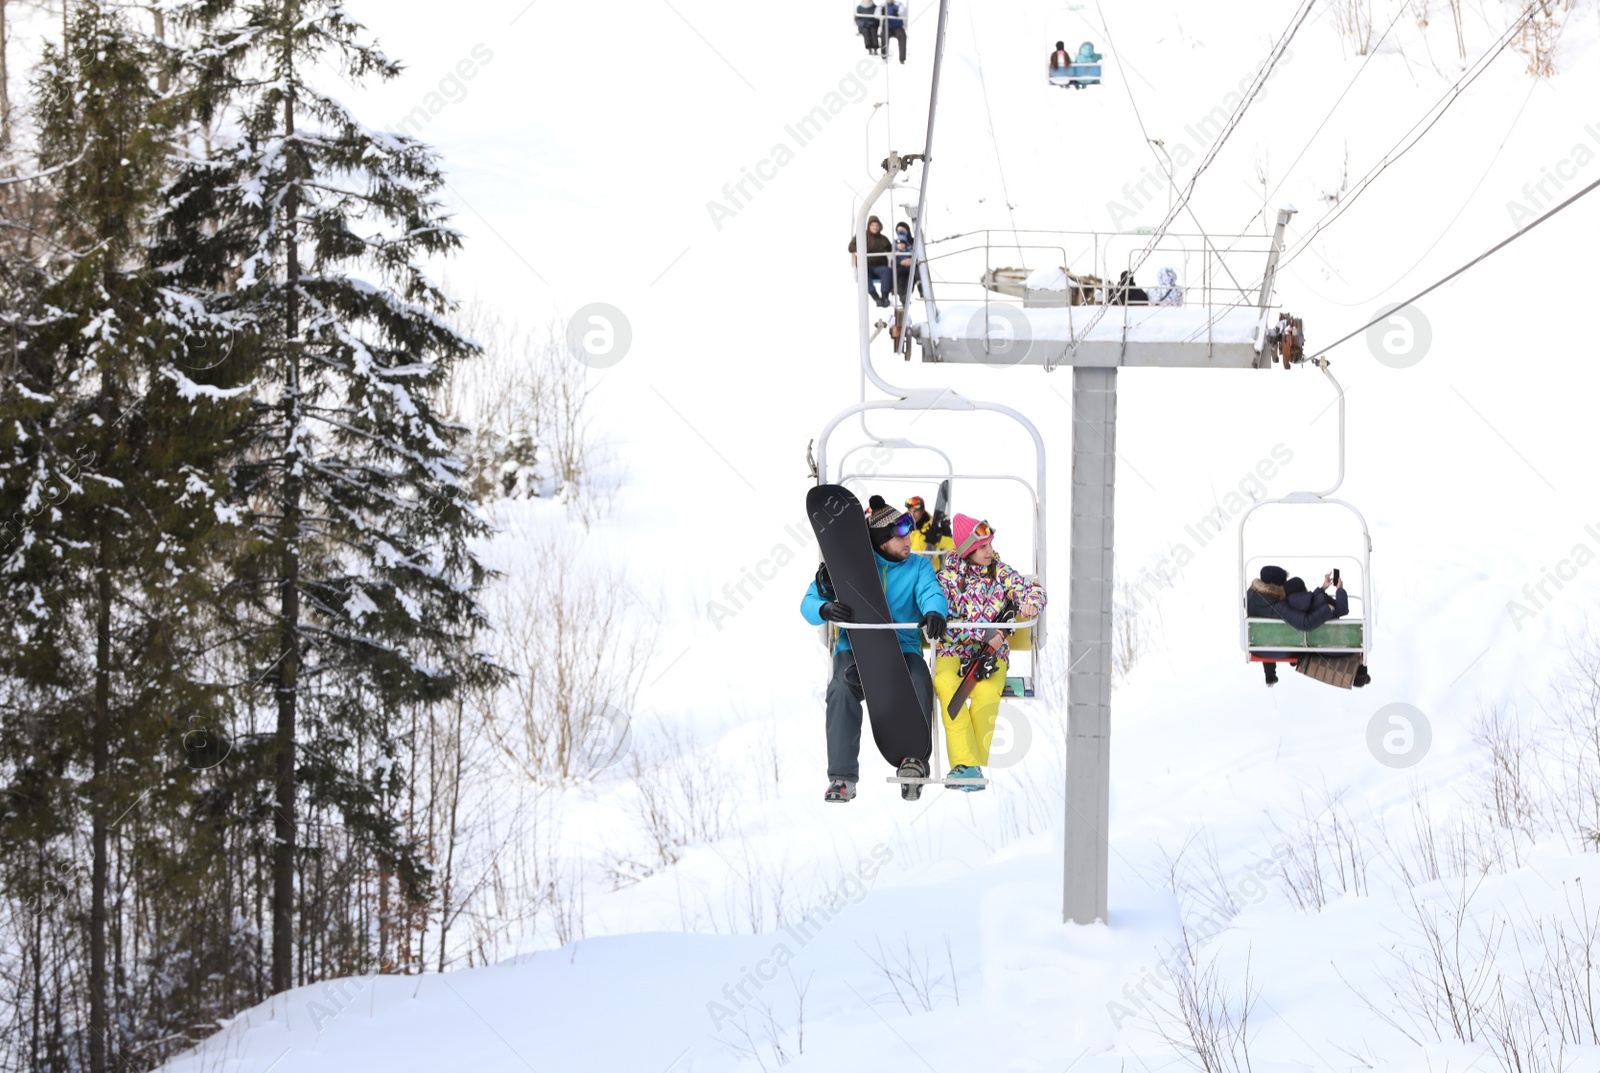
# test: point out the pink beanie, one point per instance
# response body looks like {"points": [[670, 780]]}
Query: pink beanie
{"points": [[961, 528]]}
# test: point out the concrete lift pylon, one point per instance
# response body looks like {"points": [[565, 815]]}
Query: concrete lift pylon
{"points": [[1166, 339]]}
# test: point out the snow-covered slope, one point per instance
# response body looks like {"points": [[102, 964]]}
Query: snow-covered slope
{"points": [[584, 155]]}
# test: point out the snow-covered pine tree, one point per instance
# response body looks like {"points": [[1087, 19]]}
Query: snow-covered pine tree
{"points": [[110, 486], [357, 588]]}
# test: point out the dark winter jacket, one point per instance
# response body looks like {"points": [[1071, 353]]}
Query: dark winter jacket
{"points": [[1127, 294], [1302, 610], [894, 11], [876, 244], [866, 18]]}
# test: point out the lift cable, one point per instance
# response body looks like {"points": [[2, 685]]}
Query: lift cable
{"points": [[983, 84], [1412, 136], [1492, 249], [1105, 27], [1227, 130], [1371, 52], [1449, 97]]}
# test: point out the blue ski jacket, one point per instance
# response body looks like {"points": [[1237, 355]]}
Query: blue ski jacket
{"points": [[911, 588]]}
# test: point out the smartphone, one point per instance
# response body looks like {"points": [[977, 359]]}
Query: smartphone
{"points": [[1336, 576]]}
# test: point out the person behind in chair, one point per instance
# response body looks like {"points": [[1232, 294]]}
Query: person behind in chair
{"points": [[1060, 59], [931, 533], [904, 258], [894, 27], [1318, 607], [911, 589], [880, 279], [867, 24]]}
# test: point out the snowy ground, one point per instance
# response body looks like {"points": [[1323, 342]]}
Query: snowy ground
{"points": [[582, 156]]}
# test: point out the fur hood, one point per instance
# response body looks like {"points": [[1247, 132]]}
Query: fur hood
{"points": [[1271, 592]]}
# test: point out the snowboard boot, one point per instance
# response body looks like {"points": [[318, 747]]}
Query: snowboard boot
{"points": [[911, 768], [840, 790], [1271, 671], [1362, 677], [965, 771]]}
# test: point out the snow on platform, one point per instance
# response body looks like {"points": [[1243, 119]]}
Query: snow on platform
{"points": [[997, 333]]}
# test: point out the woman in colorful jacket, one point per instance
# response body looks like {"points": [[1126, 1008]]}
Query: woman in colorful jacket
{"points": [[977, 585]]}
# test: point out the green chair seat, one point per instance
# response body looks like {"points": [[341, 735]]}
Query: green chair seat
{"points": [[1280, 636]]}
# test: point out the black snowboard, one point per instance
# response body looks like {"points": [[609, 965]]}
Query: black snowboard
{"points": [[941, 506], [900, 727]]}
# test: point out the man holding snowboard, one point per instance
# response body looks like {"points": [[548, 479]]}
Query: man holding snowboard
{"points": [[912, 591]]}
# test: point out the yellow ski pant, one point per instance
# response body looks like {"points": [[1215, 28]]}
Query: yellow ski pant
{"points": [[967, 737]]}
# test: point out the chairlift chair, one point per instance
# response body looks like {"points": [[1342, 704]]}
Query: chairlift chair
{"points": [[1026, 636], [1267, 639], [1083, 70]]}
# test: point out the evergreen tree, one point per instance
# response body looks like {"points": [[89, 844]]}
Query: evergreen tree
{"points": [[354, 590], [110, 487]]}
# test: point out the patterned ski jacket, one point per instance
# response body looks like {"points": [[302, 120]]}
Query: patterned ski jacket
{"points": [[976, 597]]}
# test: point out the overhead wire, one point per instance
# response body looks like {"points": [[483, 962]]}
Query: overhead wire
{"points": [[1482, 178], [1105, 27], [1228, 128], [1449, 97], [994, 138], [1412, 136], [1371, 52], [1502, 244]]}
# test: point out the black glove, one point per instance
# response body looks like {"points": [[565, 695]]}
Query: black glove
{"points": [[834, 611], [824, 583], [940, 527], [933, 624]]}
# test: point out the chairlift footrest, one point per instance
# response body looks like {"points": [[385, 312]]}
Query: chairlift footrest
{"points": [[1018, 687]]}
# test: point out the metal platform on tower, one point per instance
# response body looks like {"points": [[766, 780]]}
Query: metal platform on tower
{"points": [[1208, 303]]}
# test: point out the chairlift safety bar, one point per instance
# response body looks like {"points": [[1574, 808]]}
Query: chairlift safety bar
{"points": [[948, 625]]}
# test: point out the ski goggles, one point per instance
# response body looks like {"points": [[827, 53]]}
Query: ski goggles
{"points": [[981, 532], [903, 525], [916, 503]]}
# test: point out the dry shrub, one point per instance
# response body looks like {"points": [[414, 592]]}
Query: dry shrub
{"points": [[574, 634]]}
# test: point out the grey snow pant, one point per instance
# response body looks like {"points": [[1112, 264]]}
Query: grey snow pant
{"points": [[844, 710]]}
